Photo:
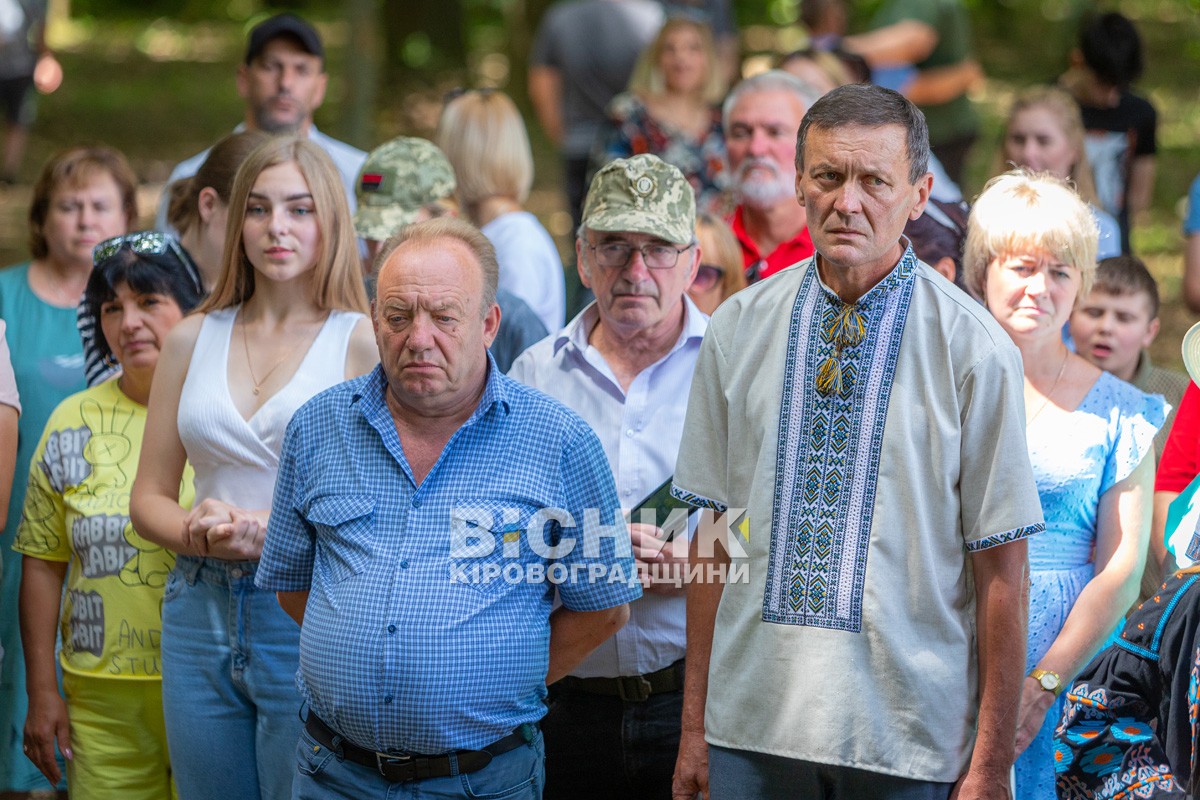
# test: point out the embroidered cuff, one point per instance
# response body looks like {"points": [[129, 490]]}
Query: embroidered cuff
{"points": [[1007, 536], [693, 499]]}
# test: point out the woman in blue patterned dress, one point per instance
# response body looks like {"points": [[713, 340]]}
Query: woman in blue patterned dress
{"points": [[1031, 251]]}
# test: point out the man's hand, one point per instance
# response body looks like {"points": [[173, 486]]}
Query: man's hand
{"points": [[982, 784], [691, 767], [661, 565], [1035, 702]]}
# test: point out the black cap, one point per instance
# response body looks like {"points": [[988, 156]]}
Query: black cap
{"points": [[284, 25]]}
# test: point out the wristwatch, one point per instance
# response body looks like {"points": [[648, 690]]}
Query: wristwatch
{"points": [[1048, 680]]}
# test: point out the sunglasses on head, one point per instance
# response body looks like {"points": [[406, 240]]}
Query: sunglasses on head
{"points": [[707, 276], [144, 243]]}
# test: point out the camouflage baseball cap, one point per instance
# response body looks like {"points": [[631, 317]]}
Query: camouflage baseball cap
{"points": [[642, 194], [397, 180]]}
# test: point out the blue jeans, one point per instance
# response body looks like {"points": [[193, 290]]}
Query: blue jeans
{"points": [[599, 748], [230, 656], [321, 775], [744, 775]]}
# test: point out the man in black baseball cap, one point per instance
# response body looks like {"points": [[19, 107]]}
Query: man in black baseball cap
{"points": [[282, 82]]}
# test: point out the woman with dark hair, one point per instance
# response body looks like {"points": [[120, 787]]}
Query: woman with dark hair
{"points": [[285, 321], [76, 531], [83, 196]]}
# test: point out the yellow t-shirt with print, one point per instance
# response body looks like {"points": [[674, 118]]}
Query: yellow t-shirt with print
{"points": [[77, 511]]}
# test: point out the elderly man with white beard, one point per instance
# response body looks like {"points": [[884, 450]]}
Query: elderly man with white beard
{"points": [[761, 117]]}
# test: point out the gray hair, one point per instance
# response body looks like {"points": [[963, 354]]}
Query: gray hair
{"points": [[775, 80], [873, 107]]}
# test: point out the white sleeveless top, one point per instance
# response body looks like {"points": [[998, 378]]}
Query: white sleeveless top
{"points": [[236, 459]]}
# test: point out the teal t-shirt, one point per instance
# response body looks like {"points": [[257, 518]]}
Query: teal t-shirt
{"points": [[957, 118], [47, 359]]}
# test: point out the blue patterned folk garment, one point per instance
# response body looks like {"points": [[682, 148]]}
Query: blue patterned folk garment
{"points": [[1109, 434], [874, 447], [1130, 724]]}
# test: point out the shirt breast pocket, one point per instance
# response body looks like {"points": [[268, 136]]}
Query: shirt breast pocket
{"points": [[494, 543], [345, 533]]}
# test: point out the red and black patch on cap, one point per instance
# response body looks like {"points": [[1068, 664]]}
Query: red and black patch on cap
{"points": [[370, 182]]}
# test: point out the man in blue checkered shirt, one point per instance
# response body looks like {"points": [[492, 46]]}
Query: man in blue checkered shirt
{"points": [[424, 516]]}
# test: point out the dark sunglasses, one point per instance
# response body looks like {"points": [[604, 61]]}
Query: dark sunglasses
{"points": [[707, 276]]}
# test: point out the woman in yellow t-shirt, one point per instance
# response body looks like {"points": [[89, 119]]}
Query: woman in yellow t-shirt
{"points": [[76, 530]]}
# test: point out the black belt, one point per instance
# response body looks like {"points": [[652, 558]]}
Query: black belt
{"points": [[634, 688], [404, 768]]}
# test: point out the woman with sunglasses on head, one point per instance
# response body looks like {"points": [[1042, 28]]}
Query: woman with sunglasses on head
{"points": [[720, 273], [83, 196], [1030, 254], [76, 531], [285, 321]]}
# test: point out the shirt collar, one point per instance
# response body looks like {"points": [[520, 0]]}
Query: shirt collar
{"points": [[900, 273], [575, 334], [1144, 367]]}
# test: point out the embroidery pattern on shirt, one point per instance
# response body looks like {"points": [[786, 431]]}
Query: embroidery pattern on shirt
{"points": [[828, 461]]}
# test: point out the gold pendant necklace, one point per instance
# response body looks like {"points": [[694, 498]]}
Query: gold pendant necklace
{"points": [[257, 383]]}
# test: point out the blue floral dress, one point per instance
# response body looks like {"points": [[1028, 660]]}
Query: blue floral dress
{"points": [[1109, 434]]}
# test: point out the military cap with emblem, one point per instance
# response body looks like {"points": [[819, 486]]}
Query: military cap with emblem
{"points": [[398, 179], [642, 194]]}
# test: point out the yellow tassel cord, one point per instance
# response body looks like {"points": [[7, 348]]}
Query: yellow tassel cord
{"points": [[829, 377], [846, 329]]}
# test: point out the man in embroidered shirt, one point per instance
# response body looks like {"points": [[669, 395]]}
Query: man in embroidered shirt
{"points": [[407, 538], [761, 116], [881, 458], [625, 365], [282, 81]]}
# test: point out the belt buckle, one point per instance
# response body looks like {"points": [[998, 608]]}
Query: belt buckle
{"points": [[383, 761], [633, 688]]}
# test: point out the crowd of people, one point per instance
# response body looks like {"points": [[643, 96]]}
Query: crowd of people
{"points": [[842, 484]]}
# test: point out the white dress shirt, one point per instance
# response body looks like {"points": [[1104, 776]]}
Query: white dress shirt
{"points": [[640, 432]]}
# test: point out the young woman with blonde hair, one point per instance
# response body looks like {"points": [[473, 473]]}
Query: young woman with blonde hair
{"points": [[284, 322]]}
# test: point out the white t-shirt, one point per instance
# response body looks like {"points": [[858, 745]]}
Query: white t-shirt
{"points": [[530, 266]]}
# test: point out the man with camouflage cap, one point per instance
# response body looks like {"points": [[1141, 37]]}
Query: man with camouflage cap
{"points": [[625, 365], [409, 180]]}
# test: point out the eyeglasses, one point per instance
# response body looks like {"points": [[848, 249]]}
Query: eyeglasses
{"points": [[707, 276], [144, 243], [615, 255]]}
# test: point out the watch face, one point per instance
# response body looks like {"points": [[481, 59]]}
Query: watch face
{"points": [[1048, 681]]}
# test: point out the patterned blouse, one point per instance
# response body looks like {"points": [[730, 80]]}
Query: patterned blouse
{"points": [[633, 131], [1131, 719]]}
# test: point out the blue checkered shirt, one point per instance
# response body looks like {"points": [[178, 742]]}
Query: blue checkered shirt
{"points": [[404, 647]]}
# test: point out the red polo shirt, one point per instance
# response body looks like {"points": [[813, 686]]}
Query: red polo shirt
{"points": [[798, 248]]}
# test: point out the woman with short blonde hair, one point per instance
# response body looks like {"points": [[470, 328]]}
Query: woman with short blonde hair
{"points": [[483, 136], [1031, 253]]}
